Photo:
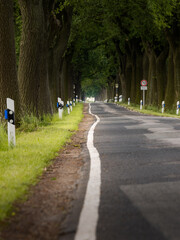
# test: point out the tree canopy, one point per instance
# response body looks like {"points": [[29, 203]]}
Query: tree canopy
{"points": [[92, 45]]}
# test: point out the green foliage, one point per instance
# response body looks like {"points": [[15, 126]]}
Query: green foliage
{"points": [[21, 166], [93, 52], [61, 5], [164, 12]]}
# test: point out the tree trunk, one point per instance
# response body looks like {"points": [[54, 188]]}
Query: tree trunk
{"points": [[33, 62], [138, 75], [176, 60], [123, 85], [169, 98], [161, 74], [8, 74], [152, 81], [64, 80], [145, 66], [128, 74], [137, 70], [110, 90], [122, 70], [173, 38], [62, 34]]}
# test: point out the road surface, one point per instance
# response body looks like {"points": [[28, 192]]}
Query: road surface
{"points": [[140, 178]]}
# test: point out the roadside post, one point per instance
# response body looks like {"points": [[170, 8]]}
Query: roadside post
{"points": [[9, 115], [144, 88], [177, 109], [115, 99], [120, 98], [74, 92], [141, 104], [129, 101], [74, 102], [116, 86], [163, 106], [71, 106], [76, 98], [68, 107], [60, 106]]}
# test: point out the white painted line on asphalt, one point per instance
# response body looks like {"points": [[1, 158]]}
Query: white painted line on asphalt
{"points": [[89, 214]]}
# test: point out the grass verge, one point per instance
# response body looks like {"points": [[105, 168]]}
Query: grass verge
{"points": [[20, 166], [150, 110]]}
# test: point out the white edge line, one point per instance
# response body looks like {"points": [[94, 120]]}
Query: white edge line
{"points": [[89, 214]]}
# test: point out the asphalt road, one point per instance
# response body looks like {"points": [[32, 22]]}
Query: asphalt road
{"points": [[140, 176]]}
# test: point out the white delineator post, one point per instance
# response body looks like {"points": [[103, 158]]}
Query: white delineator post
{"points": [[177, 109], [129, 101], [71, 106], [141, 104], [76, 98], [74, 104], [163, 106], [120, 98], [68, 107], [115, 99], [9, 115], [60, 107]]}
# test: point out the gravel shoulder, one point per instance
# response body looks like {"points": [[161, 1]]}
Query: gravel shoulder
{"points": [[48, 203]]}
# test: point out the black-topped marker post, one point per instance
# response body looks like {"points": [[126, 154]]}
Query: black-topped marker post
{"points": [[71, 106], [68, 107], [9, 115], [60, 106]]}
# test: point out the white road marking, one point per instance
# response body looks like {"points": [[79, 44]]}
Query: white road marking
{"points": [[89, 214]]}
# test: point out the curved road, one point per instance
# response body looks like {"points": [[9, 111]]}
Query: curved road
{"points": [[140, 177]]}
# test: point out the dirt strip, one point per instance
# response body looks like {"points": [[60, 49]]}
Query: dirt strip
{"points": [[48, 203]]}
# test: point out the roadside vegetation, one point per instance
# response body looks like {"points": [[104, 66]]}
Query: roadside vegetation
{"points": [[36, 146], [150, 110]]}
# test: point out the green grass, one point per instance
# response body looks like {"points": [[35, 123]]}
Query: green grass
{"points": [[3, 139], [31, 123], [21, 166], [150, 110]]}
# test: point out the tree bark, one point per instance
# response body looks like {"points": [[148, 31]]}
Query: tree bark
{"points": [[33, 62], [138, 75], [170, 96], [123, 84], [161, 74], [62, 32], [152, 80], [128, 74], [8, 74], [67, 79], [173, 38]]}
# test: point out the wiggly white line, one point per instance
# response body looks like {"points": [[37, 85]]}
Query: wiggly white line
{"points": [[89, 213]]}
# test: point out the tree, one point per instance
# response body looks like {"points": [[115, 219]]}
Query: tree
{"points": [[8, 74], [60, 26], [33, 60], [166, 16]]}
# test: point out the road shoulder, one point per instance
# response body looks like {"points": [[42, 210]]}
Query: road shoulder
{"points": [[50, 201]]}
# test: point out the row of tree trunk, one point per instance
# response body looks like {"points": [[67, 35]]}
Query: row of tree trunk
{"points": [[160, 68], [44, 71]]}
